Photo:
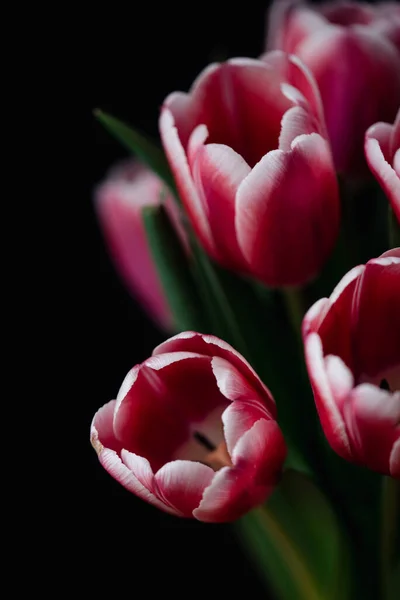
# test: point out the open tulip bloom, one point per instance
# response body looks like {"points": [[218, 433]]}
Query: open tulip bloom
{"points": [[264, 234]]}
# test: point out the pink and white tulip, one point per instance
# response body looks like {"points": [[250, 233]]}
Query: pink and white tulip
{"points": [[193, 431], [248, 150], [382, 150], [352, 347], [119, 202], [353, 50]]}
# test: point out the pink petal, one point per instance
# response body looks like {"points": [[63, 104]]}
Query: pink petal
{"points": [[124, 474], [331, 419], [218, 172], [387, 177], [102, 430], [209, 345], [187, 191], [239, 418], [373, 417], [119, 203], [290, 23], [181, 484], [382, 132], [296, 121], [335, 328], [235, 490], [348, 64], [348, 13], [376, 317], [172, 393], [287, 213]]}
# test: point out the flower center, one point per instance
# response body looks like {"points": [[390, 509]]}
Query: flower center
{"points": [[217, 456]]}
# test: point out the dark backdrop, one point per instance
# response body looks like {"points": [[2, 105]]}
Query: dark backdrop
{"points": [[140, 53]]}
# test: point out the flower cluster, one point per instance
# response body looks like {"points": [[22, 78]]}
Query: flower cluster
{"points": [[257, 149]]}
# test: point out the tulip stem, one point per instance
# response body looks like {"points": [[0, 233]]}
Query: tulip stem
{"points": [[302, 578], [295, 308], [390, 529]]}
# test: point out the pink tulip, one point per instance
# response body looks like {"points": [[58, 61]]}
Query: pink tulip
{"points": [[353, 50], [352, 347], [192, 431], [119, 202], [248, 152], [382, 150]]}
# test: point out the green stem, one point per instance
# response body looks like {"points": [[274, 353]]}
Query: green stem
{"points": [[302, 577], [295, 306], [390, 525]]}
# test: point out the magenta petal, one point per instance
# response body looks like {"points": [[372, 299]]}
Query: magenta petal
{"points": [[210, 345], [296, 121], [330, 416], [180, 169], [259, 456], [126, 477], [376, 317], [348, 64], [119, 204], [373, 416], [218, 171], [386, 175], [181, 484], [287, 215]]}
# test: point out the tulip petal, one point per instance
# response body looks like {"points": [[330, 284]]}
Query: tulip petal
{"points": [[347, 65], [180, 169], [287, 212], [102, 430], [386, 175], [172, 397], [335, 327], [181, 484], [124, 474], [376, 317], [234, 490], [119, 202], [331, 419], [296, 121], [210, 345], [218, 171], [373, 418]]}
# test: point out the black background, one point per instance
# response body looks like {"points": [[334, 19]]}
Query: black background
{"points": [[139, 54]]}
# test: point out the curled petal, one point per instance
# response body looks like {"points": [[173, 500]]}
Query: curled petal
{"points": [[287, 212], [331, 419], [210, 345], [218, 171], [386, 175], [373, 418], [181, 484]]}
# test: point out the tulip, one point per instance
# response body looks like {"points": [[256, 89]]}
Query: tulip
{"points": [[192, 431], [119, 202], [382, 150], [352, 348], [353, 50], [248, 152]]}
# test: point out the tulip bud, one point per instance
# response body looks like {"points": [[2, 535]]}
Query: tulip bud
{"points": [[352, 347], [248, 151], [353, 51], [382, 150], [193, 431], [119, 202]]}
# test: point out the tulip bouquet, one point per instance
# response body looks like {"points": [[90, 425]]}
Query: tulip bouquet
{"points": [[264, 240]]}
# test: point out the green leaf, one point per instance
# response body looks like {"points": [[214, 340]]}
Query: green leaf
{"points": [[174, 270], [297, 544], [134, 141]]}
